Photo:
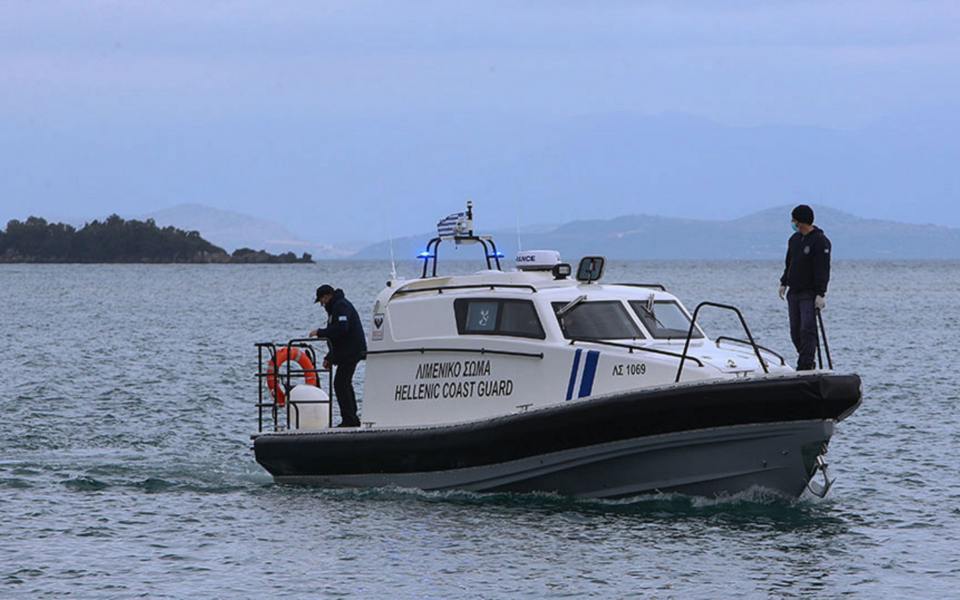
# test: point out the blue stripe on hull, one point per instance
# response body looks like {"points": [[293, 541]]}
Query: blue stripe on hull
{"points": [[573, 373], [589, 372]]}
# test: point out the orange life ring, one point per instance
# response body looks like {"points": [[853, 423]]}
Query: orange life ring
{"points": [[283, 355]]}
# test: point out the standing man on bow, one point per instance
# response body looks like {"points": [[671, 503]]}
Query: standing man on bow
{"points": [[806, 275], [348, 346]]}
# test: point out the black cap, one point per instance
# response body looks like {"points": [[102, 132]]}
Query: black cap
{"points": [[322, 291], [803, 214]]}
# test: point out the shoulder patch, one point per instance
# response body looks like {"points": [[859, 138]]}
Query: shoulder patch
{"points": [[342, 318], [826, 250]]}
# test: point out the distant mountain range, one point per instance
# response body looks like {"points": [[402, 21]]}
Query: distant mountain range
{"points": [[233, 230], [762, 235]]}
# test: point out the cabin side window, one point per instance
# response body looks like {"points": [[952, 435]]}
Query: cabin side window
{"points": [[483, 316], [604, 320], [664, 319]]}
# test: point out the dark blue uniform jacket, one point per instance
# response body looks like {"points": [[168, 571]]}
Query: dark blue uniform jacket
{"points": [[808, 263], [344, 331]]}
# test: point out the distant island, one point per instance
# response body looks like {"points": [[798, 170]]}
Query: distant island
{"points": [[116, 240], [761, 235]]}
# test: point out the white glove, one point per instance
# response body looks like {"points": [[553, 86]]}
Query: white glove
{"points": [[820, 303], [783, 291]]}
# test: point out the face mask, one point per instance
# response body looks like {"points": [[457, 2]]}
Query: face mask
{"points": [[794, 227]]}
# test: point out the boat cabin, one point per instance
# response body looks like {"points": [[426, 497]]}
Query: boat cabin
{"points": [[451, 349]]}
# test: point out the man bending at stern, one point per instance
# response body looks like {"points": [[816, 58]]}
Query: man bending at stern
{"points": [[348, 346]]}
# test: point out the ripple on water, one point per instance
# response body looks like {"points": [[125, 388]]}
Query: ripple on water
{"points": [[85, 484], [15, 483]]}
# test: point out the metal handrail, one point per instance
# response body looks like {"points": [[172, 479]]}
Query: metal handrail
{"points": [[693, 324], [783, 361], [435, 243], [286, 376], [826, 346], [296, 408], [658, 286], [441, 288], [632, 347], [465, 350]]}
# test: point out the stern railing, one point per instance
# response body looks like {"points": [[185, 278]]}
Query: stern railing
{"points": [[283, 377]]}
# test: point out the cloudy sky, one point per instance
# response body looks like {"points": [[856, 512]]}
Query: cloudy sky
{"points": [[129, 107]]}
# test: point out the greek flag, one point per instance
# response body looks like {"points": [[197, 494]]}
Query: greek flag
{"points": [[455, 225]]}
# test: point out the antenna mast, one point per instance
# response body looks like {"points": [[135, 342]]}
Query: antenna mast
{"points": [[519, 243], [393, 264]]}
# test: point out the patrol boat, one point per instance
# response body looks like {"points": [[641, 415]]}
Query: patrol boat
{"points": [[541, 379]]}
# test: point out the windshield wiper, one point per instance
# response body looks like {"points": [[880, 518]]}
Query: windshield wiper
{"points": [[571, 305], [649, 308]]}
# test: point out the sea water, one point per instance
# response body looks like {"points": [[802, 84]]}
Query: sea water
{"points": [[128, 397]]}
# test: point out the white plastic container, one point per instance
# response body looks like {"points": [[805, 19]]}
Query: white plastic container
{"points": [[312, 404]]}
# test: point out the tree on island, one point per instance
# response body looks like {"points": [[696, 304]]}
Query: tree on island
{"points": [[116, 240]]}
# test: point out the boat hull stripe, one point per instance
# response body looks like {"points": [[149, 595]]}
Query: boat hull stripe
{"points": [[589, 372], [573, 373]]}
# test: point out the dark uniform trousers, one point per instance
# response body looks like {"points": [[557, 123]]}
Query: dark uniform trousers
{"points": [[803, 326], [346, 398]]}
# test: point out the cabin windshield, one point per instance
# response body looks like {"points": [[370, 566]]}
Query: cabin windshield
{"points": [[666, 321], [605, 320]]}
